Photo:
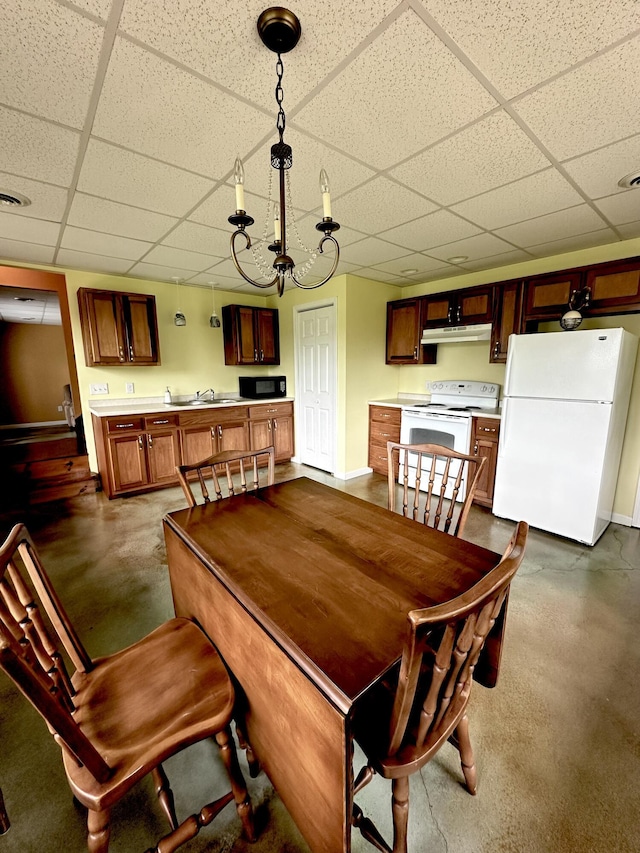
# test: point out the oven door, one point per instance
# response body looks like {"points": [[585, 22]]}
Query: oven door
{"points": [[447, 430]]}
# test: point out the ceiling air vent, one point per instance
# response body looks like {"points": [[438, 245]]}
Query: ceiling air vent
{"points": [[10, 199], [632, 180]]}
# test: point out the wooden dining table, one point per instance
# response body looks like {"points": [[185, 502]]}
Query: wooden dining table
{"points": [[305, 591]]}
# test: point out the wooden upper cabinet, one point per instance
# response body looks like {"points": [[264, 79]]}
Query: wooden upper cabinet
{"points": [[404, 330], [507, 318], [118, 328], [614, 287], [251, 335], [547, 297], [469, 306]]}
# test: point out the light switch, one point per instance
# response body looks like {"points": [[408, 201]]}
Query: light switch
{"points": [[99, 388], [129, 387]]}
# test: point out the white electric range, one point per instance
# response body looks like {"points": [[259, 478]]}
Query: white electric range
{"points": [[446, 419]]}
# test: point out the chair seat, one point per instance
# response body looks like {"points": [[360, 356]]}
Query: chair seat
{"points": [[135, 721]]}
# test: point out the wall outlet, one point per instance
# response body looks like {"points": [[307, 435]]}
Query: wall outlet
{"points": [[427, 385], [60, 409], [99, 388], [129, 388]]}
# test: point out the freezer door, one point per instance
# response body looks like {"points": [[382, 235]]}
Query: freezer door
{"points": [[550, 466], [564, 365]]}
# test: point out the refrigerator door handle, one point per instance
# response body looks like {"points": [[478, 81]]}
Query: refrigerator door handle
{"points": [[507, 373], [504, 427]]}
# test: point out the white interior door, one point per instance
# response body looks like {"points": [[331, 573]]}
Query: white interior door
{"points": [[316, 385]]}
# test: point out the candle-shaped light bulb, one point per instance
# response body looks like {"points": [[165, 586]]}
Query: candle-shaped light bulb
{"points": [[238, 176], [277, 235], [326, 197]]}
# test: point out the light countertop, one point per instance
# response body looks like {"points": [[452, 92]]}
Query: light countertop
{"points": [[154, 405], [403, 402]]}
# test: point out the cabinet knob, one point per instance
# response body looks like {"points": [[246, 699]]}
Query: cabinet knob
{"points": [[121, 350], [213, 432], [275, 424], [124, 426], [131, 355], [261, 355], [449, 314], [269, 424], [219, 430], [150, 440], [475, 449], [255, 355], [496, 349], [141, 442], [458, 314], [415, 353]]}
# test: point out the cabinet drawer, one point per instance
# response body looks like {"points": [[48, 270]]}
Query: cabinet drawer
{"points": [[487, 427], [384, 414], [123, 424], [152, 421], [214, 415], [271, 410], [382, 432]]}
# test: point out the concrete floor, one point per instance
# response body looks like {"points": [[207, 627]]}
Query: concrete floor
{"points": [[557, 742]]}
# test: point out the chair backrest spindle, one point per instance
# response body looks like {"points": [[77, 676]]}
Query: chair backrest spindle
{"points": [[222, 466]]}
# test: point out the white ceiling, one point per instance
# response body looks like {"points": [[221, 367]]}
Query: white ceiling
{"points": [[494, 130]]}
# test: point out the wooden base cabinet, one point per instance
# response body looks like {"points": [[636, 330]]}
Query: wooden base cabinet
{"points": [[486, 432], [137, 454], [273, 424], [384, 426]]}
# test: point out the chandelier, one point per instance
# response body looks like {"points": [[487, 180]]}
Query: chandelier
{"points": [[280, 31]]}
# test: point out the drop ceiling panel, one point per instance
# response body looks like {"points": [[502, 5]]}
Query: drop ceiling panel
{"points": [[130, 178], [200, 238], [30, 230], [517, 45], [51, 71], [630, 231], [432, 230], [403, 266], [490, 153], [36, 149], [516, 256], [96, 7], [28, 252], [177, 113], [194, 35], [47, 202], [572, 244], [157, 272], [620, 208], [370, 206], [480, 246], [553, 226], [594, 105], [170, 257], [111, 217], [90, 261], [371, 251], [535, 195], [598, 173], [421, 98], [95, 243]]}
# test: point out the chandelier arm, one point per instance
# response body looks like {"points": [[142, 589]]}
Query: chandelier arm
{"points": [[313, 286], [237, 263]]}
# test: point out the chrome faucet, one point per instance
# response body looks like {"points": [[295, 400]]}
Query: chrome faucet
{"points": [[201, 394]]}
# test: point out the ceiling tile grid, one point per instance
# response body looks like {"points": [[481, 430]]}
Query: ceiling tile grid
{"points": [[487, 129]]}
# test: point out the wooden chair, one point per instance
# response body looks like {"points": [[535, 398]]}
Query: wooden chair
{"points": [[116, 718], [401, 723], [219, 465], [444, 472]]}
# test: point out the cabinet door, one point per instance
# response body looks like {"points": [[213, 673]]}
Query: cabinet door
{"points": [[128, 462], [474, 305], [507, 318], [485, 444], [198, 442], [233, 435], [547, 298], [141, 329], [267, 335], [102, 329], [404, 330], [437, 311], [614, 287], [246, 345], [163, 451], [261, 434], [282, 429]]}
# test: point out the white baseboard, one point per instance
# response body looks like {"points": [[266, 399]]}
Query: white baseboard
{"points": [[349, 475], [622, 519]]}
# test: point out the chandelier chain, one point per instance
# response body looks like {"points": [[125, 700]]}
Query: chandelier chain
{"points": [[281, 120]]}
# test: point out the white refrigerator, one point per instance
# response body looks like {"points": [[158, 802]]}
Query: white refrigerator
{"points": [[566, 397]]}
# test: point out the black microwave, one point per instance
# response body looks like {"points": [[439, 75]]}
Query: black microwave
{"points": [[263, 387]]}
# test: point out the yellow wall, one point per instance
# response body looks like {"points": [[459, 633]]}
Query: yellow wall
{"points": [[33, 373], [193, 358]]}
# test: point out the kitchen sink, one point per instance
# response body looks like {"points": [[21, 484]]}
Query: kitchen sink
{"points": [[200, 402]]}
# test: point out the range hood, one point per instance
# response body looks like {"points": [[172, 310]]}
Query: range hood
{"points": [[453, 334]]}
